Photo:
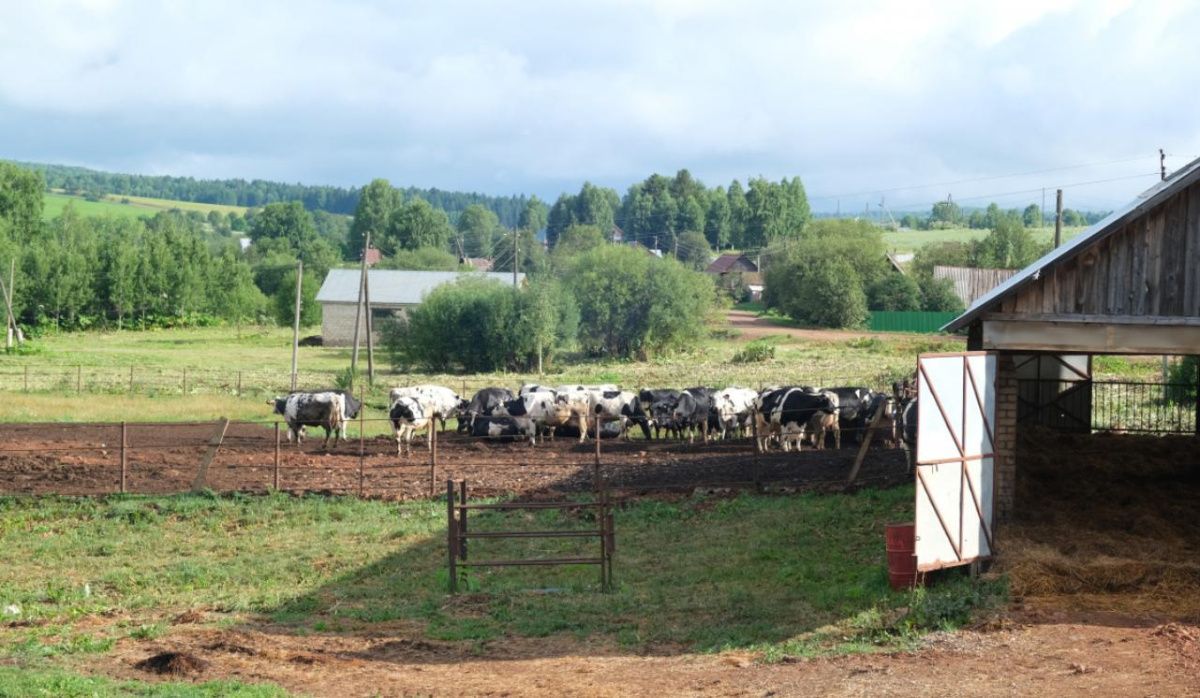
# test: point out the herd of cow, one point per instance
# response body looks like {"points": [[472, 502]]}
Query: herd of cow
{"points": [[785, 416]]}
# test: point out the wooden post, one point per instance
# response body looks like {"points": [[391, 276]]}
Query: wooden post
{"points": [[358, 309], [130, 378], [1058, 219], [596, 471], [362, 438], [79, 378], [239, 383], [185, 381], [1197, 396], [462, 520], [275, 470], [214, 445], [866, 444], [432, 456], [124, 457], [296, 321], [451, 537], [26, 377], [366, 281]]}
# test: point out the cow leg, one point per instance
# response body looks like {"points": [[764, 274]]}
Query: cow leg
{"points": [[583, 428]]}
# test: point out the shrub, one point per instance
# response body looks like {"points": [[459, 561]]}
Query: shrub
{"points": [[632, 305], [894, 292], [821, 290], [939, 296], [754, 352]]}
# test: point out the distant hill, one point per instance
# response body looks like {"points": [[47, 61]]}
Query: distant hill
{"points": [[252, 193]]}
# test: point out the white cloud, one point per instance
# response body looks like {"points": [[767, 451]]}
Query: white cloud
{"points": [[539, 97]]}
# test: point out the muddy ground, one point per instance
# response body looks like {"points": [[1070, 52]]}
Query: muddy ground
{"points": [[85, 459]]}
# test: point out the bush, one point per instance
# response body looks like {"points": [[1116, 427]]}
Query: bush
{"points": [[821, 290], [894, 291], [478, 324], [285, 301], [939, 296], [754, 352], [1182, 377], [632, 304]]}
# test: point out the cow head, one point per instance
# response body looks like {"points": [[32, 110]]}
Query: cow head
{"points": [[279, 404], [352, 404]]}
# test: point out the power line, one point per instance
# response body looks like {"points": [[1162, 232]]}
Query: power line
{"points": [[1029, 191], [869, 192]]}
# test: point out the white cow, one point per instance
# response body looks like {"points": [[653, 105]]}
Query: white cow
{"points": [[535, 412], [617, 406], [439, 403]]}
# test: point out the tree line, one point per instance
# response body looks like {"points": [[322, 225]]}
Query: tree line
{"points": [[947, 214], [257, 192]]}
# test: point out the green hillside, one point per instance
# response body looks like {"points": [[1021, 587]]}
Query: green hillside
{"points": [[128, 206]]}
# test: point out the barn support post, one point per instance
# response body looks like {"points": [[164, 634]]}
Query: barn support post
{"points": [[275, 468], [1198, 396], [296, 321], [124, 457]]}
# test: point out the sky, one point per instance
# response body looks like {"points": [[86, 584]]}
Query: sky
{"points": [[899, 103]]}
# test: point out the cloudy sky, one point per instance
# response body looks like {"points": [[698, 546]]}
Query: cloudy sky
{"points": [[907, 101]]}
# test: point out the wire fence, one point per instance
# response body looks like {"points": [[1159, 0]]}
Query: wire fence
{"points": [[255, 456], [1117, 406]]}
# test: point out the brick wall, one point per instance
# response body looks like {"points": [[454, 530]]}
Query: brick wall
{"points": [[1005, 469]]}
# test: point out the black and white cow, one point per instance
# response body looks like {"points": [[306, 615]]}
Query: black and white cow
{"points": [[535, 413], [620, 406], [734, 408], [786, 413], [482, 404], [325, 409], [658, 404], [494, 427], [408, 415], [439, 403], [527, 388], [853, 412], [693, 410]]}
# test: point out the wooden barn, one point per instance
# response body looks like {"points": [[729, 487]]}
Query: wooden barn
{"points": [[1129, 285]]}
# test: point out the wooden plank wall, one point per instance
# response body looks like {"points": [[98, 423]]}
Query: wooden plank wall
{"points": [[970, 283], [1149, 267]]}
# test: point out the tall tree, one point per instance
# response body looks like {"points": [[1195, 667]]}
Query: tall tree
{"points": [[561, 217], [533, 215], [21, 196], [477, 228], [377, 204], [416, 224]]}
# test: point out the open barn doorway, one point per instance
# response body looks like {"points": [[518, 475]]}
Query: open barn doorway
{"points": [[1106, 514]]}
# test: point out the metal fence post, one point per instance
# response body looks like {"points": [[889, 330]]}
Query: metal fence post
{"points": [[275, 470], [462, 521]]}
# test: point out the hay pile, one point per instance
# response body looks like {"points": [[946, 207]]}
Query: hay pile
{"points": [[1107, 522]]}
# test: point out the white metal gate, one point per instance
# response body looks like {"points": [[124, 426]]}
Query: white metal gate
{"points": [[956, 411]]}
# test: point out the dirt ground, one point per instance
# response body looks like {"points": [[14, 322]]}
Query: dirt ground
{"points": [[84, 459], [1030, 652]]}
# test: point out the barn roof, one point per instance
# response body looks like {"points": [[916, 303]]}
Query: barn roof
{"points": [[392, 287], [1147, 200]]}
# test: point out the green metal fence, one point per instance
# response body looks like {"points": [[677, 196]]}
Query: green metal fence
{"points": [[908, 321]]}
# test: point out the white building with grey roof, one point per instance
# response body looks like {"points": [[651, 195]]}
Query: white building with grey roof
{"points": [[392, 294]]}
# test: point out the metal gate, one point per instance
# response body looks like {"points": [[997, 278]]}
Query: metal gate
{"points": [[956, 411]]}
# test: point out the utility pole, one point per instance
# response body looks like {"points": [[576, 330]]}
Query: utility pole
{"points": [[358, 308], [1058, 219], [1042, 223], [1162, 164], [516, 255], [296, 321]]}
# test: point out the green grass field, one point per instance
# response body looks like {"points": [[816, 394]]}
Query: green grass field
{"points": [[211, 360], [912, 240], [138, 206], [781, 576]]}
